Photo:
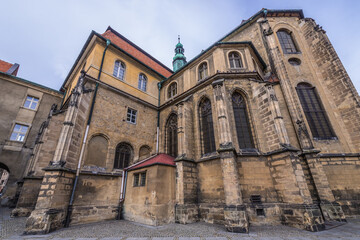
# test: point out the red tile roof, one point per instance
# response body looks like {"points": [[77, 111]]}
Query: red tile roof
{"points": [[5, 66], [135, 51], [160, 159]]}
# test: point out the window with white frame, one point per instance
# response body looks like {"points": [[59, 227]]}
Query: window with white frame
{"points": [[19, 133], [142, 82], [119, 70], [31, 102], [131, 115]]}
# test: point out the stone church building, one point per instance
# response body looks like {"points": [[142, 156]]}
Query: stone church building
{"points": [[262, 127]]}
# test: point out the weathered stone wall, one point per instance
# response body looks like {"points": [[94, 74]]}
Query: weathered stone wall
{"points": [[211, 196], [28, 196], [343, 174], [154, 203], [96, 198]]}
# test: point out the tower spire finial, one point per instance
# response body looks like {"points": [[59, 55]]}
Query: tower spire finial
{"points": [[179, 60], [178, 38]]}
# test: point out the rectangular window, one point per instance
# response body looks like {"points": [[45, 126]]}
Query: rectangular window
{"points": [[19, 133], [31, 102], [131, 116], [139, 179]]}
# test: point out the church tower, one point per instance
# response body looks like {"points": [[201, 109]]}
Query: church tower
{"points": [[179, 60]]}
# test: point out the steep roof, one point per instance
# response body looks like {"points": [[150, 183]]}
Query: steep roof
{"points": [[129, 47], [160, 159]]}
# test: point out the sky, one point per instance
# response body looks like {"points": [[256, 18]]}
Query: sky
{"points": [[45, 37]]}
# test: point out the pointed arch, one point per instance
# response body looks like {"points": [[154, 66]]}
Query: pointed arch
{"points": [[171, 129], [206, 126], [242, 124], [123, 155]]}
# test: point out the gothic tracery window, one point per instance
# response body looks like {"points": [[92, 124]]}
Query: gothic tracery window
{"points": [[171, 135], [243, 129], [203, 71], [286, 42], [123, 155], [235, 60], [207, 128], [314, 112], [119, 70]]}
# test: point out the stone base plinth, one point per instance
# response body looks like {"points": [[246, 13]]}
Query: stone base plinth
{"points": [[45, 221], [186, 213], [236, 219], [303, 216], [332, 212]]}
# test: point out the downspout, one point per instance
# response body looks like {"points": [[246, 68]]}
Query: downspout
{"points": [[68, 216], [158, 121]]}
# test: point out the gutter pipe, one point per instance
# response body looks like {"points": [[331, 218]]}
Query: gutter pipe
{"points": [[68, 216]]}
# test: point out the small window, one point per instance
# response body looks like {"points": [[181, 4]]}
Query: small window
{"points": [[19, 133], [235, 60], [131, 116], [286, 42], [139, 179], [119, 70], [142, 82], [31, 102], [203, 71], [172, 90]]}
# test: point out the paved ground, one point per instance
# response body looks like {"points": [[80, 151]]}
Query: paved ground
{"points": [[12, 228]]}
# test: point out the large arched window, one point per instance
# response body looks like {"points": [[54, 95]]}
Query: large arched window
{"points": [[142, 82], [97, 151], [171, 135], [123, 155], [243, 129], [314, 112], [286, 42], [207, 128], [172, 90], [119, 70], [235, 60], [203, 71]]}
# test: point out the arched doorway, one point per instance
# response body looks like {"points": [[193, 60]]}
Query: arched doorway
{"points": [[4, 176]]}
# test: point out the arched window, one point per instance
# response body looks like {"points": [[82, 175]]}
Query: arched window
{"points": [[144, 152], [171, 135], [314, 112], [203, 71], [97, 151], [142, 82], [235, 60], [172, 90], [207, 128], [286, 42], [243, 130], [119, 70], [123, 155]]}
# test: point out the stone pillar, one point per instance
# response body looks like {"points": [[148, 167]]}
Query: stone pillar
{"points": [[330, 208], [234, 211], [52, 202], [186, 209]]}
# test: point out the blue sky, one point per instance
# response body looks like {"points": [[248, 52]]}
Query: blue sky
{"points": [[45, 37]]}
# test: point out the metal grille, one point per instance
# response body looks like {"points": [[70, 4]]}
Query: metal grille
{"points": [[243, 130], [286, 42], [207, 128], [314, 112], [235, 60], [122, 156], [171, 130], [256, 199]]}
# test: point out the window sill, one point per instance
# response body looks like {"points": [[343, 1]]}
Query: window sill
{"points": [[326, 139], [131, 123], [295, 53], [15, 146], [33, 110]]}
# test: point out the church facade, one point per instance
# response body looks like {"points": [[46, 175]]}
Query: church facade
{"points": [[263, 127]]}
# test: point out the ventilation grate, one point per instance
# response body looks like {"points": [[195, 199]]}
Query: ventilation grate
{"points": [[255, 199]]}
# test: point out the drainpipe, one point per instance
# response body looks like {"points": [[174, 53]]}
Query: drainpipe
{"points": [[68, 216], [158, 121]]}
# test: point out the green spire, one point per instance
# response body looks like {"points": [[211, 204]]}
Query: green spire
{"points": [[179, 60]]}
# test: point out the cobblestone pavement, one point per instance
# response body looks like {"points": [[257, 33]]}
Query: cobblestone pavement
{"points": [[12, 228]]}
